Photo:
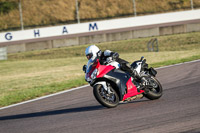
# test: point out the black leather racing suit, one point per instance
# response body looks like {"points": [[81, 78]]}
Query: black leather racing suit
{"points": [[124, 65]]}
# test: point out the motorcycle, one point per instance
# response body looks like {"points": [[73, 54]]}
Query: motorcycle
{"points": [[112, 86]]}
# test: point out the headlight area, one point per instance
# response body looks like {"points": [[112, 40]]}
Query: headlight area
{"points": [[94, 73], [93, 76]]}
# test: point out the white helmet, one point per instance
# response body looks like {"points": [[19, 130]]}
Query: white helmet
{"points": [[91, 52]]}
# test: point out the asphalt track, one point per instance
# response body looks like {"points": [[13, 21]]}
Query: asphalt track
{"points": [[178, 110]]}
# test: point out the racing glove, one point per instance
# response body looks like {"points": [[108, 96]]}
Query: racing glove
{"points": [[109, 59], [84, 68], [115, 56]]}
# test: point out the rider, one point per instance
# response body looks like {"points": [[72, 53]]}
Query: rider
{"points": [[92, 52]]}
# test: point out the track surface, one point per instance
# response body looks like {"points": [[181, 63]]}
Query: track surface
{"points": [[178, 110]]}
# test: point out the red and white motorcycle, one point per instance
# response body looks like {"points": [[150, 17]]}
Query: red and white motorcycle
{"points": [[112, 85]]}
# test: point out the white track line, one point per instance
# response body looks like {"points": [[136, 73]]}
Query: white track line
{"points": [[40, 98], [177, 64]]}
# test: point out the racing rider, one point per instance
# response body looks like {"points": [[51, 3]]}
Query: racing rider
{"points": [[92, 52]]}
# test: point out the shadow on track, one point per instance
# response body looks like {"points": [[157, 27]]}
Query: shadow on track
{"points": [[54, 112]]}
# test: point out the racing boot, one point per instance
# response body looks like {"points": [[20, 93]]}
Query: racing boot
{"points": [[135, 74], [143, 82], [127, 67]]}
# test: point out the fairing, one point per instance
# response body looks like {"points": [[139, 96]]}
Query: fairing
{"points": [[124, 83], [131, 90], [102, 69], [120, 78]]}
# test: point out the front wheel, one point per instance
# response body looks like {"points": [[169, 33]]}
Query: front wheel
{"points": [[155, 91], [109, 100]]}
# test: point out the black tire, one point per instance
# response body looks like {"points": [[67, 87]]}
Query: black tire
{"points": [[154, 93], [102, 100]]}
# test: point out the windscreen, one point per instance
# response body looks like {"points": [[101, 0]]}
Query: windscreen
{"points": [[89, 66]]}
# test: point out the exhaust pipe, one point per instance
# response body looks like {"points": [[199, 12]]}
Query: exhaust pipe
{"points": [[135, 97]]}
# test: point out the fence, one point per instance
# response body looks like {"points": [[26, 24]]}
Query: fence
{"points": [[25, 14]]}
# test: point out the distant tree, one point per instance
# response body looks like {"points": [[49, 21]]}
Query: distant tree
{"points": [[7, 6]]}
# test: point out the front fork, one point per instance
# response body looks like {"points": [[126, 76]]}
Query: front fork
{"points": [[104, 84]]}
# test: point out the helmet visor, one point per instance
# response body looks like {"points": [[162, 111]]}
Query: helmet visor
{"points": [[89, 56]]}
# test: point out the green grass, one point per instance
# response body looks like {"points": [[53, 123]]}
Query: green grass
{"points": [[33, 74], [172, 62], [35, 91]]}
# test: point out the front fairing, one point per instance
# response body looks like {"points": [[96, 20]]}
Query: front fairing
{"points": [[96, 70], [91, 66]]}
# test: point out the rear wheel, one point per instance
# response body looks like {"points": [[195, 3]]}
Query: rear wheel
{"points": [[109, 100], [155, 90]]}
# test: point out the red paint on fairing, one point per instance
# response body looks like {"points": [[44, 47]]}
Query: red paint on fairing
{"points": [[103, 69], [131, 90]]}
